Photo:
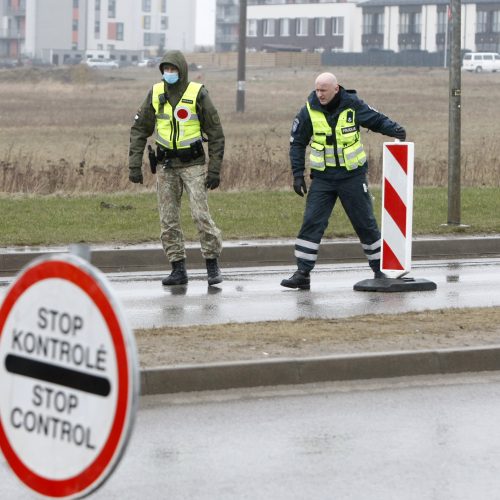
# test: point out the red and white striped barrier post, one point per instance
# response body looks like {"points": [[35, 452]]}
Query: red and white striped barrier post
{"points": [[397, 208], [397, 219]]}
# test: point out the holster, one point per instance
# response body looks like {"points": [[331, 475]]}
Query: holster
{"points": [[153, 160]]}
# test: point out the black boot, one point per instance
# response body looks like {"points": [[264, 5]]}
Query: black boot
{"points": [[213, 272], [299, 279], [178, 276], [379, 275]]}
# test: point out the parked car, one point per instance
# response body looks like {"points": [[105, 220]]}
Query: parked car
{"points": [[481, 61], [101, 63], [154, 62]]}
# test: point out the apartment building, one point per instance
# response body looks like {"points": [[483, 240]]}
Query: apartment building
{"points": [[12, 28], [57, 31], [360, 26], [312, 26], [227, 15]]}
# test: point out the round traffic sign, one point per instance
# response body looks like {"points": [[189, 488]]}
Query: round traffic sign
{"points": [[182, 113], [68, 377]]}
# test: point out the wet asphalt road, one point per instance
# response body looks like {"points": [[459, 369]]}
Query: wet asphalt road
{"points": [[414, 438], [251, 294]]}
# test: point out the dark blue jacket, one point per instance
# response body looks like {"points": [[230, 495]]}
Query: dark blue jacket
{"points": [[302, 130]]}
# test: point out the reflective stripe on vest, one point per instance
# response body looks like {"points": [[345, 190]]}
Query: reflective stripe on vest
{"points": [[179, 128], [343, 150]]}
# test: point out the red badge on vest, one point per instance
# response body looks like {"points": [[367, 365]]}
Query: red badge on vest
{"points": [[182, 113]]}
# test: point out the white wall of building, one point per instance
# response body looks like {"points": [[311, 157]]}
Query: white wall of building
{"points": [[391, 17], [429, 28], [469, 19], [48, 27]]}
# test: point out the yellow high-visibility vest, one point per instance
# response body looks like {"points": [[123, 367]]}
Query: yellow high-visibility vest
{"points": [[345, 151], [180, 127]]}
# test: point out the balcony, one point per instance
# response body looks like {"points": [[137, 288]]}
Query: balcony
{"points": [[11, 34], [16, 11], [226, 38]]}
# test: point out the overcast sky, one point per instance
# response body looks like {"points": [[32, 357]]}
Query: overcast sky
{"points": [[205, 22]]}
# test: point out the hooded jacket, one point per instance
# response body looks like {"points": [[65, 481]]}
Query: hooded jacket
{"points": [[145, 121]]}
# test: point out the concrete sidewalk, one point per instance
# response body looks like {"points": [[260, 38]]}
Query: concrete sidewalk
{"points": [[253, 253], [220, 376]]}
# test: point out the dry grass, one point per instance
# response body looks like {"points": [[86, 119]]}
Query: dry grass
{"points": [[68, 130]]}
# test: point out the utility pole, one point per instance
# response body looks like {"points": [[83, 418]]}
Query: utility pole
{"points": [[242, 45], [454, 129]]}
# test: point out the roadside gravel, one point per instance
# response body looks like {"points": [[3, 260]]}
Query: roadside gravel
{"points": [[437, 329]]}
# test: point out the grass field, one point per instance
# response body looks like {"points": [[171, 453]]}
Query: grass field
{"points": [[67, 130], [133, 218]]}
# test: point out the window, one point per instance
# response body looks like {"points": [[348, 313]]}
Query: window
{"points": [[75, 25], [373, 24], [251, 27], [146, 5], [409, 22], [111, 8], [496, 21], [442, 21], [482, 21], [337, 25], [285, 27], [268, 27], [163, 6], [75, 4], [97, 29], [146, 22], [164, 23], [147, 39], [319, 26], [301, 26], [119, 31], [97, 5]]}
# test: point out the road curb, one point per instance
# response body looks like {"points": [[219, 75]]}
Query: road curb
{"points": [[257, 253], [232, 375]]}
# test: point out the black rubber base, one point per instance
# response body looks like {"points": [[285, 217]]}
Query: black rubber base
{"points": [[395, 285]]}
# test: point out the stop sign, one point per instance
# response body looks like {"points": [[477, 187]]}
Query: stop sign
{"points": [[69, 377]]}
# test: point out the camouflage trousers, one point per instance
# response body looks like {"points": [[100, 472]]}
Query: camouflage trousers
{"points": [[171, 182]]}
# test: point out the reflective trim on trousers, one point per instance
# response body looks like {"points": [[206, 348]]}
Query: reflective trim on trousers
{"points": [[306, 256], [373, 246], [373, 256], [307, 244]]}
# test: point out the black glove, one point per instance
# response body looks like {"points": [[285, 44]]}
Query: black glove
{"points": [[213, 180], [299, 186], [135, 175], [400, 133]]}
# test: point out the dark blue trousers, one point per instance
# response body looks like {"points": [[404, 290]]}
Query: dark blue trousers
{"points": [[356, 201]]}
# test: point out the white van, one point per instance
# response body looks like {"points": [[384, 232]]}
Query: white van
{"points": [[481, 61]]}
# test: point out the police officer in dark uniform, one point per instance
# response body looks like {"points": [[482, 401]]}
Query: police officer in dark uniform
{"points": [[330, 123]]}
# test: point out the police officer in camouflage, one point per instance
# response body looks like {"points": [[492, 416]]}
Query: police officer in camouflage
{"points": [[180, 113], [330, 123]]}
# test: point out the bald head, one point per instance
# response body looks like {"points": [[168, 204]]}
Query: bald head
{"points": [[326, 87]]}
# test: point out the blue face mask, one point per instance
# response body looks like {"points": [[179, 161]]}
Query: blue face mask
{"points": [[171, 78]]}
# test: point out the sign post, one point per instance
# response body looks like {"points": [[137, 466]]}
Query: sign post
{"points": [[69, 377], [397, 223]]}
